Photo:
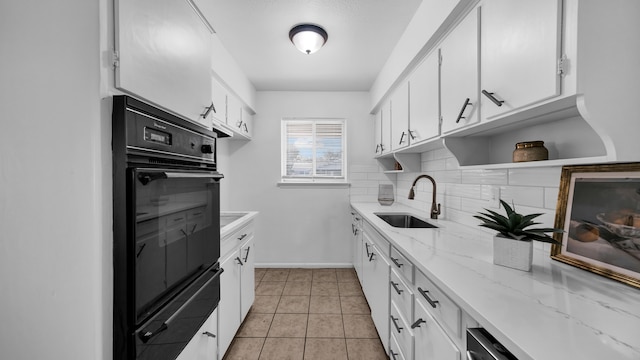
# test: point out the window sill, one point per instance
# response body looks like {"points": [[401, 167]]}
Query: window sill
{"points": [[316, 184]]}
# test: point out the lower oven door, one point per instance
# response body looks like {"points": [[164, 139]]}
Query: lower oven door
{"points": [[176, 233], [165, 335]]}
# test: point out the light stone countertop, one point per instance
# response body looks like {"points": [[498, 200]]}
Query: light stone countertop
{"points": [[556, 311], [231, 221]]}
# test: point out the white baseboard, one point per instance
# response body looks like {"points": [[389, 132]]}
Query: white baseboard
{"points": [[304, 265]]}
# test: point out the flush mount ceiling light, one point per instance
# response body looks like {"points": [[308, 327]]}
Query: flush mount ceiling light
{"points": [[308, 38]]}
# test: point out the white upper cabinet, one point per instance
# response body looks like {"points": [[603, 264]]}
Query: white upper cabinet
{"points": [[459, 75], [219, 98], [424, 100], [400, 117], [163, 55], [520, 44]]}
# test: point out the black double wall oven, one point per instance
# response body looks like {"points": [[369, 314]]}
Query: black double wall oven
{"points": [[166, 246]]}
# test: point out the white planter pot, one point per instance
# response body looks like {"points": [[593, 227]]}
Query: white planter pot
{"points": [[512, 253]]}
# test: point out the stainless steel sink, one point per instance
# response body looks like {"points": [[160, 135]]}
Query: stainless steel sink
{"points": [[405, 221]]}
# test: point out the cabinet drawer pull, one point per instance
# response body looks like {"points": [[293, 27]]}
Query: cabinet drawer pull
{"points": [[402, 137], [242, 237], [424, 293], [413, 137], [246, 256], [395, 286], [208, 334], [371, 256], [239, 261], [492, 98], [395, 261], [209, 109], [366, 245], [418, 323], [377, 148], [395, 324], [393, 355], [466, 103]]}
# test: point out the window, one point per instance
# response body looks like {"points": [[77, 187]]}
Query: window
{"points": [[313, 150]]}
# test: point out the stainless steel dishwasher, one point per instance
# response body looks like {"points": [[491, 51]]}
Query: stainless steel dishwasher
{"points": [[482, 346]]}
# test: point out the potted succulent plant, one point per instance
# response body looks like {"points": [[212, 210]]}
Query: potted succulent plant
{"points": [[513, 245]]}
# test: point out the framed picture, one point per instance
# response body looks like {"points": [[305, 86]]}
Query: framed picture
{"points": [[599, 211]]}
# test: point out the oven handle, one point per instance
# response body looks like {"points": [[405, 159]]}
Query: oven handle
{"points": [[148, 176], [148, 335]]}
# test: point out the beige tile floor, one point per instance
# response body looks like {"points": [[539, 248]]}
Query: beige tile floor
{"points": [[307, 314]]}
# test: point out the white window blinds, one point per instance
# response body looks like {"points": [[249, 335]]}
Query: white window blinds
{"points": [[313, 150]]}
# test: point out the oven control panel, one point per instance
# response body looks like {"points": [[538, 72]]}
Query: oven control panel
{"points": [[149, 134]]}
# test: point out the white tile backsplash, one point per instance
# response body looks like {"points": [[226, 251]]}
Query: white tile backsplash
{"points": [[463, 193]]}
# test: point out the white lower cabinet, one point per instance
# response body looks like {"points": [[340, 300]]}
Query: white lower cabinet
{"points": [[431, 341], [375, 271], [414, 318], [204, 345], [237, 284]]}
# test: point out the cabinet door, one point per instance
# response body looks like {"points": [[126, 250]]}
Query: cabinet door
{"points": [[424, 100], [459, 75], [219, 98], [377, 132], [247, 122], [203, 345], [247, 277], [520, 48], [164, 55], [229, 307], [234, 113], [385, 128], [431, 342], [400, 117], [375, 268]]}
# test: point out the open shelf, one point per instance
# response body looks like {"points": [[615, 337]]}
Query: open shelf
{"points": [[394, 163]]}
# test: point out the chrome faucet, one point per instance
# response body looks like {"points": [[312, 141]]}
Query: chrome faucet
{"points": [[435, 208]]}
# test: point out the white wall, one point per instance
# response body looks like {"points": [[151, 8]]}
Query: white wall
{"points": [[463, 193], [55, 181], [307, 226]]}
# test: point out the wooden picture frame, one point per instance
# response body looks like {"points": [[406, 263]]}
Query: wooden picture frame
{"points": [[599, 210]]}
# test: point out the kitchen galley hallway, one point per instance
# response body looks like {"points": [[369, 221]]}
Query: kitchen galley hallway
{"points": [[310, 314]]}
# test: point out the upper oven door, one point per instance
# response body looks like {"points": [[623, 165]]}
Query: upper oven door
{"points": [[176, 232]]}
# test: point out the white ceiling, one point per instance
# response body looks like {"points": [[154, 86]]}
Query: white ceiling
{"points": [[362, 34]]}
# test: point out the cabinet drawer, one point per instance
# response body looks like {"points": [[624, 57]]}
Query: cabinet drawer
{"points": [[439, 305], [400, 263], [401, 330], [401, 294], [235, 239], [394, 349]]}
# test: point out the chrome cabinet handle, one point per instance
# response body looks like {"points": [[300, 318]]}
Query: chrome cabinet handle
{"points": [[398, 328], [246, 129], [466, 103], [381, 147], [418, 323], [209, 109], [395, 286], [371, 256], [239, 261], [246, 256], [411, 134], [433, 303], [492, 98], [377, 148], [402, 137], [395, 261], [209, 334], [242, 237], [366, 245]]}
